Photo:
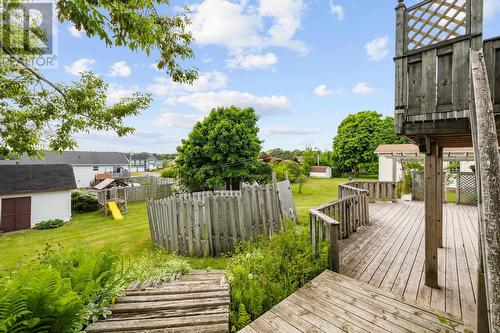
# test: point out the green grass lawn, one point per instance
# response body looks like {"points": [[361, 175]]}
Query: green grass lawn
{"points": [[130, 236]]}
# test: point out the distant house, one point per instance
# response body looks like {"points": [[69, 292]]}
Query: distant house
{"points": [[33, 193], [145, 162], [320, 171], [86, 164]]}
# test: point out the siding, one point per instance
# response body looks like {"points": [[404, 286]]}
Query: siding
{"points": [[47, 205], [85, 174]]}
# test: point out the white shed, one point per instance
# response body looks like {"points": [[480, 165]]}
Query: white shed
{"points": [[320, 171], [33, 193]]}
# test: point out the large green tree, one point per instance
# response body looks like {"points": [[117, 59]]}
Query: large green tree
{"points": [[357, 138], [222, 149], [36, 113]]}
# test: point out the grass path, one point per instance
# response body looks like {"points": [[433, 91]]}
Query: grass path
{"points": [[131, 236]]}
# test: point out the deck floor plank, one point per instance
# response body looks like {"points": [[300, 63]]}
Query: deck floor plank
{"points": [[382, 277]]}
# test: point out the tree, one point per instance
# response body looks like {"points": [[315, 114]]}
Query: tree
{"points": [[223, 149], [357, 138], [37, 113]]}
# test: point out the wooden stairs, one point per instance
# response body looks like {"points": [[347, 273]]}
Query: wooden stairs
{"points": [[336, 303], [197, 302]]}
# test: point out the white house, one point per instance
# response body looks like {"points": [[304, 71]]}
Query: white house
{"points": [[390, 157], [33, 193], [86, 164], [321, 171]]}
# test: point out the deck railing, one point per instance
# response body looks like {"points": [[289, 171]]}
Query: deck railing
{"points": [[377, 191], [337, 220]]}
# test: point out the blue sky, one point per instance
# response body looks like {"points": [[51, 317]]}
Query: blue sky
{"points": [[303, 65]]}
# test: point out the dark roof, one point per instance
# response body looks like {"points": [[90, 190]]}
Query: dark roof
{"points": [[36, 178], [74, 158], [143, 156], [321, 169]]}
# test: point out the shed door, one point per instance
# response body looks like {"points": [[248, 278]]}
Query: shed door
{"points": [[16, 214]]}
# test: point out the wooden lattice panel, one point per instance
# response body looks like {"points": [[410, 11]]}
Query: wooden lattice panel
{"points": [[466, 188], [418, 185], [436, 21]]}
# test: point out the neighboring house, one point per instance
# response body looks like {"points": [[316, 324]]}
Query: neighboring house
{"points": [[33, 193], [145, 162], [86, 164], [390, 167], [320, 171]]}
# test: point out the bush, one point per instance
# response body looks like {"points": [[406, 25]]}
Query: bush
{"points": [[49, 224], [264, 273], [295, 170], [169, 173], [83, 201]]}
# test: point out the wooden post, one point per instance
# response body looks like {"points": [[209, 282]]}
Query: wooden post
{"points": [[334, 247], [439, 198], [401, 64], [488, 160], [431, 213]]}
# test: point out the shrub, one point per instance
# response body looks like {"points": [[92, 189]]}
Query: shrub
{"points": [[264, 273], [295, 170], [169, 172], [49, 224], [83, 201]]}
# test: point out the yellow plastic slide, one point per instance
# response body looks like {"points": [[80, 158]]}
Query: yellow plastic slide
{"points": [[117, 215]]}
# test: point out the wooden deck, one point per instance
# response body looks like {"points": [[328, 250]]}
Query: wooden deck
{"points": [[386, 258], [198, 302]]}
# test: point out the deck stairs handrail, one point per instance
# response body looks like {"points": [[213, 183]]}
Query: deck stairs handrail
{"points": [[336, 220]]}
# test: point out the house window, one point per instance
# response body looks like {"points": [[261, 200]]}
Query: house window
{"points": [[95, 168]]}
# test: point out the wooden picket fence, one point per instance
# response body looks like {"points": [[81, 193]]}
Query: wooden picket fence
{"points": [[211, 223]]}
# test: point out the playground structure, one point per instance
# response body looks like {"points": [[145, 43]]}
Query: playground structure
{"points": [[113, 200]]}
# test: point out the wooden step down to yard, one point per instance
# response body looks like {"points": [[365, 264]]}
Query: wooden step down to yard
{"points": [[197, 302], [336, 303]]}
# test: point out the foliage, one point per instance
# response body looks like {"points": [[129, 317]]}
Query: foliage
{"points": [[83, 201], [59, 293], [37, 113], [414, 166], [221, 150], [301, 181], [265, 272], [282, 153], [357, 138], [295, 170], [63, 292], [154, 264], [407, 183], [169, 172], [49, 224]]}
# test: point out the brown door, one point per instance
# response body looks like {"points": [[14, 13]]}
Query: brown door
{"points": [[16, 214]]}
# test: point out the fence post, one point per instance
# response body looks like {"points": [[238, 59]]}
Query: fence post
{"points": [[334, 247], [458, 188]]}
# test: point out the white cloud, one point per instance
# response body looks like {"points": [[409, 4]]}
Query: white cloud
{"points": [[285, 130], [377, 49], [337, 10], [117, 92], [74, 32], [140, 140], [322, 90], [491, 8], [252, 61], [182, 120], [206, 101], [120, 68], [362, 88], [79, 66], [213, 80], [241, 26]]}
